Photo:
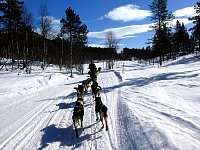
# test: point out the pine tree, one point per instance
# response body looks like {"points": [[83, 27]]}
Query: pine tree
{"points": [[180, 38], [161, 16], [11, 10], [27, 19], [11, 20], [196, 28], [75, 30]]}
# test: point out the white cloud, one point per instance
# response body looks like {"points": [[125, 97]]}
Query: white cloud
{"points": [[128, 36], [185, 12], [131, 31], [55, 21], [56, 25], [128, 13], [122, 32]]}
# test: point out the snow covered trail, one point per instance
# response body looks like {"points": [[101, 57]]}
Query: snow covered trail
{"points": [[108, 81], [93, 136], [47, 123]]}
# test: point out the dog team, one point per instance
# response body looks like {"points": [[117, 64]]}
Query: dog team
{"points": [[100, 108]]}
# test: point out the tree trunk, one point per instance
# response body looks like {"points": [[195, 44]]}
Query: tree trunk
{"points": [[71, 59]]}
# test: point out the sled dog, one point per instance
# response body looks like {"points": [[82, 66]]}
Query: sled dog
{"points": [[77, 116], [102, 110]]}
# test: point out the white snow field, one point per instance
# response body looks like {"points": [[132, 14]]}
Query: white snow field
{"points": [[149, 108]]}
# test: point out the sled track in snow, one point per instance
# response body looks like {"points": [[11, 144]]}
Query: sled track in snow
{"points": [[90, 117], [37, 118], [93, 125], [110, 132]]}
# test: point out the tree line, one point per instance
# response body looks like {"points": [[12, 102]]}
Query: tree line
{"points": [[20, 40]]}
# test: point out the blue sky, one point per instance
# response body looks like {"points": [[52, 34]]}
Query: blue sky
{"points": [[128, 19]]}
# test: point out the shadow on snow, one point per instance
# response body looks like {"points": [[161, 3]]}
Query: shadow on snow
{"points": [[66, 136]]}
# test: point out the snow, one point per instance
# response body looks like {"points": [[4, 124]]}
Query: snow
{"points": [[149, 107]]}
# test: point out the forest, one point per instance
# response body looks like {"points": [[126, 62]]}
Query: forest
{"points": [[21, 42]]}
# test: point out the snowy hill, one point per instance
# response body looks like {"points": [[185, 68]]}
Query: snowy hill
{"points": [[149, 108]]}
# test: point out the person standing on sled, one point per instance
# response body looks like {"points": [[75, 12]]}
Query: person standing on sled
{"points": [[92, 71], [92, 67]]}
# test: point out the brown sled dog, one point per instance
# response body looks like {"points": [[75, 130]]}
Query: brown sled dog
{"points": [[77, 116], [102, 110], [86, 84]]}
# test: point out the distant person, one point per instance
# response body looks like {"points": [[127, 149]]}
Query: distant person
{"points": [[92, 67], [81, 67], [93, 71]]}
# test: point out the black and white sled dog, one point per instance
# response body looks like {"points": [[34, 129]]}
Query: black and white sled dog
{"points": [[78, 114], [102, 110], [95, 89], [80, 91]]}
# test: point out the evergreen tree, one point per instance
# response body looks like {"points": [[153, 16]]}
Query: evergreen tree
{"points": [[196, 28], [27, 19], [161, 16], [180, 38], [75, 30], [11, 21], [11, 17]]}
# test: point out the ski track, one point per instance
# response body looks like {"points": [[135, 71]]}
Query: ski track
{"points": [[19, 138], [131, 122], [178, 116], [133, 131], [48, 127], [22, 132]]}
